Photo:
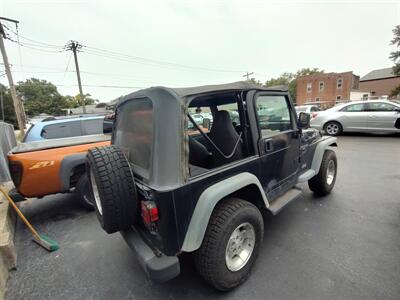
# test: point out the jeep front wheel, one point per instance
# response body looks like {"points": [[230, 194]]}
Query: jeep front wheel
{"points": [[231, 244], [323, 183]]}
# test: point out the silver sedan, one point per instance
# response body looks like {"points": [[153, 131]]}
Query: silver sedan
{"points": [[375, 116]]}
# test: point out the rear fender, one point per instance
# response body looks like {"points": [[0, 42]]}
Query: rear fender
{"points": [[67, 166], [207, 202]]}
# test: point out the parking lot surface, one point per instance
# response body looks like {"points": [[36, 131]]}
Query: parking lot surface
{"points": [[343, 246]]}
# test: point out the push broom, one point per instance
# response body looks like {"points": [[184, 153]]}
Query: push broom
{"points": [[44, 241]]}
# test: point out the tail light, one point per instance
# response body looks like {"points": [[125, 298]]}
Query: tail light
{"points": [[16, 172], [314, 114], [149, 212]]}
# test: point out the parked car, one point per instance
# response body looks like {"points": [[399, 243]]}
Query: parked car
{"points": [[169, 192], [375, 116], [53, 166], [54, 128], [310, 109]]}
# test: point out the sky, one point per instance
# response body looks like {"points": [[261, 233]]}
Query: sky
{"points": [[128, 45]]}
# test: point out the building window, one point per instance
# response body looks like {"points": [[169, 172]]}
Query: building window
{"points": [[339, 83], [365, 97], [309, 87], [338, 98], [321, 86], [317, 99]]}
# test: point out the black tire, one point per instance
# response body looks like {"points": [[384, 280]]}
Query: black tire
{"points": [[84, 193], [210, 258], [334, 124], [116, 199], [320, 184]]}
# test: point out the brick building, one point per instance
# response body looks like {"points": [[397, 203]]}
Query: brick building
{"points": [[379, 82], [326, 88]]}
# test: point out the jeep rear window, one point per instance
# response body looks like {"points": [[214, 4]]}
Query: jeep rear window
{"points": [[134, 133]]}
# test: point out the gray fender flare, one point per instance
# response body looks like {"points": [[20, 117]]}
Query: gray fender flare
{"points": [[67, 165], [207, 202], [326, 144]]}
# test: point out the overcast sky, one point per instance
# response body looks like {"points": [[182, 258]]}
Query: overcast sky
{"points": [[187, 43]]}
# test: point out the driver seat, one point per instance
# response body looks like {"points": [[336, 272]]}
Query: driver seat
{"points": [[224, 136]]}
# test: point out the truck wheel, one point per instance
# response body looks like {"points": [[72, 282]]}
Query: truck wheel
{"points": [[333, 128], [84, 192], [113, 188], [231, 244], [323, 183]]}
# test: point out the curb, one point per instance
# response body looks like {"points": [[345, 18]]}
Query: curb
{"points": [[8, 253]]}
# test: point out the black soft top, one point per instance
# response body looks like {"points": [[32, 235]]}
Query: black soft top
{"points": [[183, 94]]}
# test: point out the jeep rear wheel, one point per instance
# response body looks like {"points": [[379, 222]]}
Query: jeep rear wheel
{"points": [[113, 188], [323, 183], [231, 244]]}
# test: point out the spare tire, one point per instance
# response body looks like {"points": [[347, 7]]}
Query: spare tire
{"points": [[113, 188]]}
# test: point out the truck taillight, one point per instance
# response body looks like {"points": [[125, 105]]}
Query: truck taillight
{"points": [[15, 168], [149, 212]]}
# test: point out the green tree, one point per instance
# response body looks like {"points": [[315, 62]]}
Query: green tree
{"points": [[74, 102], [41, 96], [254, 81], [395, 57], [9, 113]]}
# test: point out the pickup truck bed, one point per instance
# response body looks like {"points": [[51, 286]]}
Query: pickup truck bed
{"points": [[53, 166]]}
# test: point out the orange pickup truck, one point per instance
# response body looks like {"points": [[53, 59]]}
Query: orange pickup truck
{"points": [[53, 166]]}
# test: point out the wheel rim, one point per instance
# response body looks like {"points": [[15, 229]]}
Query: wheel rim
{"points": [[330, 172], [96, 193], [240, 247], [332, 128]]}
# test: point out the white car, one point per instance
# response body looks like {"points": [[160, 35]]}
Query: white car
{"points": [[310, 109], [375, 116]]}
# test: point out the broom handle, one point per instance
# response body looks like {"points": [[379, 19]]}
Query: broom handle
{"points": [[34, 232]]}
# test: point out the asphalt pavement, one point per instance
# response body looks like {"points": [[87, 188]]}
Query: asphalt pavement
{"points": [[343, 246]]}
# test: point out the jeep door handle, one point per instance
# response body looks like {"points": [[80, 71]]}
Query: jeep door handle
{"points": [[268, 145]]}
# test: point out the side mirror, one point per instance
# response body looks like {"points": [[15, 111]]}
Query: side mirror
{"points": [[304, 120], [206, 123]]}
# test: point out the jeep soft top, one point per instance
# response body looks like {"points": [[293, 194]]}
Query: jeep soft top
{"points": [[170, 191]]}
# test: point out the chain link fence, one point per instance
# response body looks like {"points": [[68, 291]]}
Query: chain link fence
{"points": [[7, 142]]}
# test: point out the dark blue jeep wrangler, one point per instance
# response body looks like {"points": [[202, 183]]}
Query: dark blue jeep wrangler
{"points": [[171, 184]]}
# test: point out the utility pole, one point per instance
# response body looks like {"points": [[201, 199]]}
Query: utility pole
{"points": [[74, 47], [247, 75], [2, 104], [16, 101]]}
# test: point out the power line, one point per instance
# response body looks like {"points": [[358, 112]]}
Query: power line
{"points": [[66, 68], [138, 59]]}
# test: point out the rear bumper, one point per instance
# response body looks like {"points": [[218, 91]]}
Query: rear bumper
{"points": [[159, 268]]}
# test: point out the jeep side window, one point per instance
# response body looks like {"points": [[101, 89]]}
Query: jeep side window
{"points": [[134, 133], [273, 115]]}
